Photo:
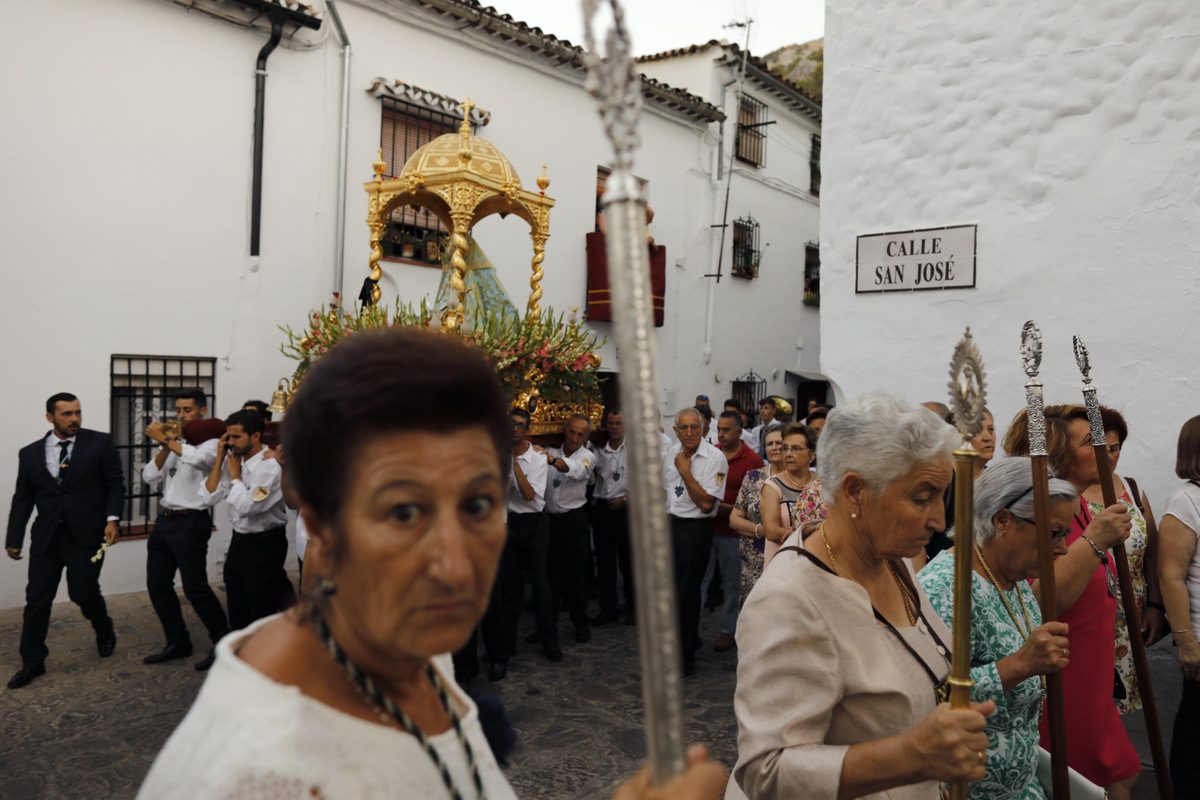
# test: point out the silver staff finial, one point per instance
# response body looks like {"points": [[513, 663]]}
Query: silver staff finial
{"points": [[967, 393], [614, 81], [1031, 348], [1089, 393], [1082, 359]]}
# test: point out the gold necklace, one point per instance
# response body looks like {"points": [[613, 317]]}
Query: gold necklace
{"points": [[909, 611], [1024, 609]]}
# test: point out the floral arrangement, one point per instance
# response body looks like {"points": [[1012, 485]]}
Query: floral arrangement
{"points": [[549, 357]]}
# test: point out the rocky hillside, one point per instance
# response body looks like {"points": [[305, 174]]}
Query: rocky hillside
{"points": [[803, 64]]}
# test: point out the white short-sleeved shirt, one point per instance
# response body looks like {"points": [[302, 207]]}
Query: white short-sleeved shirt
{"points": [[534, 465], [612, 479], [567, 491], [709, 468], [1184, 505]]}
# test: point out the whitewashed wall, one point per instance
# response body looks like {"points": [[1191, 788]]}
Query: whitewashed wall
{"points": [[1070, 138]]}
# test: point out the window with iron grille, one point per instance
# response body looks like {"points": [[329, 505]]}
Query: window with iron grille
{"points": [[412, 234], [749, 390], [812, 274], [751, 140], [814, 166], [746, 253], [142, 390]]}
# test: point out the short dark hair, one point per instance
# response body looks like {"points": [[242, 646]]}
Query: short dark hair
{"points": [[704, 411], [197, 396], [736, 416], [800, 429], [259, 406], [519, 412], [1187, 459], [55, 399], [734, 404], [583, 417], [1115, 422], [609, 412], [386, 381], [250, 420], [820, 412]]}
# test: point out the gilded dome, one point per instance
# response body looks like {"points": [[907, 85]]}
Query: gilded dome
{"points": [[442, 156]]}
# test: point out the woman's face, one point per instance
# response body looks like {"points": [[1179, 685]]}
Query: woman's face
{"points": [[796, 456], [902, 520], [1114, 447], [985, 442], [422, 529], [773, 447], [1016, 550], [1082, 471]]}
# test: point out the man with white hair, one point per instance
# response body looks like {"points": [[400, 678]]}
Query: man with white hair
{"points": [[694, 475]]}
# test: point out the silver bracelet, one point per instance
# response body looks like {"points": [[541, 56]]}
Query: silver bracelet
{"points": [[1099, 553]]}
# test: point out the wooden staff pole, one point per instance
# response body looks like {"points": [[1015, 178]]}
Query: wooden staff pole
{"points": [[1128, 599]]}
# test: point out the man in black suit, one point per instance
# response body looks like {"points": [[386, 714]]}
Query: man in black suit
{"points": [[73, 477]]}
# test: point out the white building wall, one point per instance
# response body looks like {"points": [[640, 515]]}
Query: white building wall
{"points": [[1070, 139]]}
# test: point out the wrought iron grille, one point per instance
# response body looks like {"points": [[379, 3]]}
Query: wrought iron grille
{"points": [[749, 390], [814, 166], [413, 234], [812, 274], [751, 131], [142, 390], [746, 253]]}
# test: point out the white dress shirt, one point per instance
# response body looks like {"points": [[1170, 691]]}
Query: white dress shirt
{"points": [[54, 454], [184, 475], [612, 479], [256, 499], [534, 465], [709, 468], [567, 491]]}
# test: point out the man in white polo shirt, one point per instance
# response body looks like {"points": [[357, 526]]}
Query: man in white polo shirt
{"points": [[694, 475], [566, 502], [610, 524]]}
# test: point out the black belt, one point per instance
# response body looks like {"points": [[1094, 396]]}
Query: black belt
{"points": [[674, 518], [281, 529], [181, 512]]}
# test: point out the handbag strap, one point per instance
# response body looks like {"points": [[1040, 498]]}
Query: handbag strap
{"points": [[1135, 494]]}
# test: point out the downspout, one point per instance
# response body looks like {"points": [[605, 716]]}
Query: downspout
{"points": [[339, 256], [260, 86]]}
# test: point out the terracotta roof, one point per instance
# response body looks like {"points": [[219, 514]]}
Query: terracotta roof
{"points": [[787, 90], [522, 36]]}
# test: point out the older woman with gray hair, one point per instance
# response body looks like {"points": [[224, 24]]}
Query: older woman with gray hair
{"points": [[1011, 650], [843, 665]]}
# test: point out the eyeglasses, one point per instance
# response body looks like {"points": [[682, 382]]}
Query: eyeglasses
{"points": [[1055, 536], [793, 448]]}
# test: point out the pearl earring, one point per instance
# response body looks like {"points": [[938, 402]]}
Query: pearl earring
{"points": [[853, 516]]}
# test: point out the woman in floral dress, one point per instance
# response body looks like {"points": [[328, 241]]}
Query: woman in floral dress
{"points": [[791, 497], [1010, 647], [746, 518]]}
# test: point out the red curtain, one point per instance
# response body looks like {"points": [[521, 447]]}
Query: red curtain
{"points": [[599, 302]]}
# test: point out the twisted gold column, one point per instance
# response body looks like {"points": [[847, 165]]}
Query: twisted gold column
{"points": [[452, 319], [539, 255]]}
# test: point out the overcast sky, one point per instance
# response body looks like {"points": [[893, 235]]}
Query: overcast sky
{"points": [[658, 25]]}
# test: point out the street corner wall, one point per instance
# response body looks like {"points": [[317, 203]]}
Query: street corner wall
{"points": [[1069, 136]]}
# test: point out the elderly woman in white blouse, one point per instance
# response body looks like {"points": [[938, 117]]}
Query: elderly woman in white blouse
{"points": [[842, 664]]}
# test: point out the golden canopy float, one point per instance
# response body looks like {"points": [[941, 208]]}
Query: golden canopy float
{"points": [[460, 178]]}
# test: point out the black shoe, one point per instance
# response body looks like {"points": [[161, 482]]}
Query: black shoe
{"points": [[604, 617], [206, 662], [631, 619], [169, 653], [25, 676], [583, 635], [553, 652], [533, 638], [106, 644], [498, 670]]}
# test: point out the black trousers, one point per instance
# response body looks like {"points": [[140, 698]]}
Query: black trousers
{"points": [[610, 538], [691, 539], [525, 548], [256, 585], [570, 563], [83, 587], [181, 544], [1185, 743]]}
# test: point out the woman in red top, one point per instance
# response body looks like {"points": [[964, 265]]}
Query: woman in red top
{"points": [[1086, 585]]}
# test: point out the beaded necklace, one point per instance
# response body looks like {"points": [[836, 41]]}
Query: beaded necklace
{"points": [[390, 714], [1024, 610]]}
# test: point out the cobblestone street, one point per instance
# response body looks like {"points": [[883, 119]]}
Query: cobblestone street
{"points": [[90, 728]]}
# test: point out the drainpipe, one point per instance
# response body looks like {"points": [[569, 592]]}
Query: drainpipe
{"points": [[260, 86], [339, 256]]}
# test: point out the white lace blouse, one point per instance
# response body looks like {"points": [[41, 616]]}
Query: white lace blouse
{"points": [[249, 738]]}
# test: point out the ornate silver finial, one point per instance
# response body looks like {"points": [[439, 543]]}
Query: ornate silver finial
{"points": [[967, 393], [613, 81], [1031, 349], [1089, 392]]}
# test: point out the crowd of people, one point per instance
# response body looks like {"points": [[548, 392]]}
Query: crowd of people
{"points": [[430, 515]]}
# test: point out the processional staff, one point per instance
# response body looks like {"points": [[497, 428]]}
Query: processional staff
{"points": [[616, 85], [967, 401], [1128, 598], [1031, 359]]}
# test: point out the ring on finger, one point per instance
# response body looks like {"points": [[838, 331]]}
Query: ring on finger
{"points": [[982, 757]]}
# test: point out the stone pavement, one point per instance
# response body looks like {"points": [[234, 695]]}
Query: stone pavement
{"points": [[91, 727]]}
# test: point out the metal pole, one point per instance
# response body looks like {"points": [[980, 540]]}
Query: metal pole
{"points": [[339, 254], [1128, 598], [1056, 721], [616, 85]]}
